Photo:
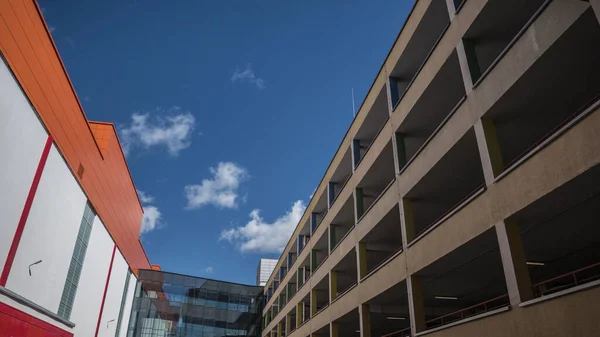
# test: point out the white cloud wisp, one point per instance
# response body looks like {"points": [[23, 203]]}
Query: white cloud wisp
{"points": [[263, 237], [221, 190], [151, 220], [145, 197], [172, 132], [248, 76]]}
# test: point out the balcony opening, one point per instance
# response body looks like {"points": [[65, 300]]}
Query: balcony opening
{"points": [[281, 300], [283, 327], [322, 332], [524, 118], [376, 181], [344, 275], [561, 236], [303, 310], [292, 286], [464, 283], [320, 210], [292, 320], [342, 224], [389, 312], [453, 182], [303, 273], [383, 241], [490, 34], [458, 4], [304, 236], [348, 325], [431, 111], [320, 252], [320, 296], [430, 29], [340, 177], [371, 126]]}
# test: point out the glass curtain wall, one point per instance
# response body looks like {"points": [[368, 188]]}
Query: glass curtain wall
{"points": [[174, 305]]}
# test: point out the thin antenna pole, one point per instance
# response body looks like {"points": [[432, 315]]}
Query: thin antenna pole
{"points": [[353, 108]]}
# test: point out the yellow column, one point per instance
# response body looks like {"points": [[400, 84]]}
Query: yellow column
{"points": [[516, 272], [407, 221], [332, 286], [288, 324], [365, 320], [313, 303], [361, 259], [415, 304], [489, 149], [334, 329], [299, 313], [279, 329]]}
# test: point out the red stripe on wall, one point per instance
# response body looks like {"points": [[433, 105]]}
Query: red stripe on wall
{"points": [[23, 220], [8, 315], [112, 259]]}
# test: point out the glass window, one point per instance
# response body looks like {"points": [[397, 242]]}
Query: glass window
{"points": [[76, 265]]}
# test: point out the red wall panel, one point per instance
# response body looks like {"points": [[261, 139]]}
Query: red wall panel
{"points": [[14, 323]]}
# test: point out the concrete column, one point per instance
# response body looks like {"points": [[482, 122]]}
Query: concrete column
{"points": [[358, 203], [451, 8], [332, 286], [361, 260], [596, 7], [364, 314], [334, 329], [415, 304], [514, 263], [407, 221], [489, 150], [469, 65], [313, 302]]}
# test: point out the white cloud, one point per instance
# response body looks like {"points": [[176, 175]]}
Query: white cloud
{"points": [[152, 218], [220, 190], [173, 132], [248, 76], [209, 270], [144, 197], [262, 237]]}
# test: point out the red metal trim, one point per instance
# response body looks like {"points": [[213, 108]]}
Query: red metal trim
{"points": [[395, 333], [112, 259], [25, 213], [469, 308], [16, 313]]}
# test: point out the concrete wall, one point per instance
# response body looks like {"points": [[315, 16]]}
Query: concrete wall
{"points": [[88, 299], [112, 304], [22, 139], [54, 218]]}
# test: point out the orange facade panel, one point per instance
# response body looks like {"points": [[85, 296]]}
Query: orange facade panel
{"points": [[93, 148]]}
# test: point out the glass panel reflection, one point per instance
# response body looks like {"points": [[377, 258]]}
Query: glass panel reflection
{"points": [[173, 305]]}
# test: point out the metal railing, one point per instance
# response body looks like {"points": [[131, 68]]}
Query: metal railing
{"points": [[473, 310], [400, 333], [568, 280]]}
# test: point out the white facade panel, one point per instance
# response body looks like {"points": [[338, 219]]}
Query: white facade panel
{"points": [[49, 236], [86, 307], [114, 294], [22, 139], [264, 270], [127, 307]]}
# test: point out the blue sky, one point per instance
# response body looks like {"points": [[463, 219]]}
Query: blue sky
{"points": [[230, 110]]}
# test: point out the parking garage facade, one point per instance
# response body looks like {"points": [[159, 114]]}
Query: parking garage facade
{"points": [[463, 199]]}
